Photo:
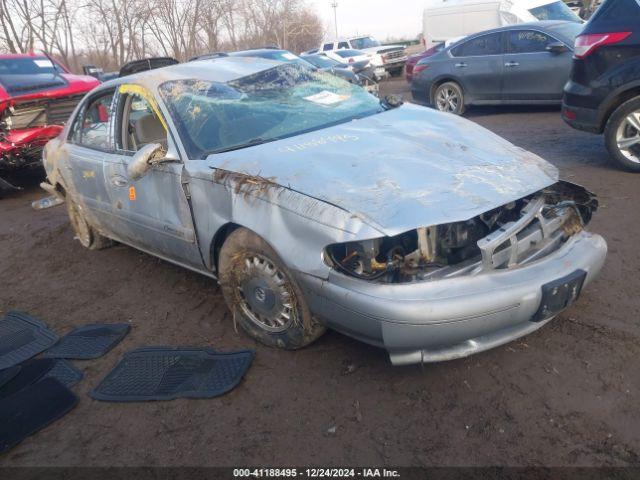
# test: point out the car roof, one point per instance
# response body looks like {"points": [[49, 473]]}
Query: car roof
{"points": [[22, 55], [541, 25], [257, 50], [223, 70]]}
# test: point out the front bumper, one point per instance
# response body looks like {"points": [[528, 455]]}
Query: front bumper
{"points": [[395, 64], [451, 318]]}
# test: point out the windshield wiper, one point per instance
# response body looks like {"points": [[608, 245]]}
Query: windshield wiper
{"points": [[251, 143]]}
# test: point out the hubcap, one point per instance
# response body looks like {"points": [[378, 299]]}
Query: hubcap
{"points": [[447, 100], [265, 295], [628, 137]]}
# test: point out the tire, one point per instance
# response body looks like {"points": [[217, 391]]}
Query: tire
{"points": [[449, 97], [85, 233], [623, 130], [262, 295]]}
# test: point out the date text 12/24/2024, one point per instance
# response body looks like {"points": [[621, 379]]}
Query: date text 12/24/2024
{"points": [[315, 473]]}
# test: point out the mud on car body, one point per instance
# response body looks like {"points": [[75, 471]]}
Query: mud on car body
{"points": [[316, 205], [37, 96]]}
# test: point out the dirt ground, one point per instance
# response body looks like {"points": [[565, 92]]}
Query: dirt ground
{"points": [[566, 395]]}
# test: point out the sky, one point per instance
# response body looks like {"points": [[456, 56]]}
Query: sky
{"points": [[380, 18]]}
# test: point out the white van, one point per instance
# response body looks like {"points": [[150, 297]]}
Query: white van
{"points": [[447, 19]]}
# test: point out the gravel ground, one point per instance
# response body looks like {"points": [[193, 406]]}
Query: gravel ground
{"points": [[566, 395]]}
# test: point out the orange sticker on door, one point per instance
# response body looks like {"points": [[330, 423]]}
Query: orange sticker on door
{"points": [[132, 193]]}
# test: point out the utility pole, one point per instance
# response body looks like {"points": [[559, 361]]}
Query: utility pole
{"points": [[334, 5]]}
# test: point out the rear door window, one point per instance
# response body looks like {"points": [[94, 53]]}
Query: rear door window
{"points": [[484, 45], [343, 45], [527, 41], [92, 127]]}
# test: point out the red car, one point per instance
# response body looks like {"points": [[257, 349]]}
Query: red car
{"points": [[37, 96], [414, 59]]}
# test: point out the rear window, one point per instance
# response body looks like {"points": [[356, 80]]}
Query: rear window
{"points": [[321, 61], [555, 11], [479, 46], [26, 66], [348, 53]]}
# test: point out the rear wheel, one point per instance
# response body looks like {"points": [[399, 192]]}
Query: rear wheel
{"points": [[449, 97], [85, 233], [622, 135], [262, 295]]}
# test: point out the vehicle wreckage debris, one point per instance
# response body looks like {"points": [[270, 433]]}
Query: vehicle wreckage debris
{"points": [[31, 409], [47, 202], [89, 342], [165, 373], [22, 337]]}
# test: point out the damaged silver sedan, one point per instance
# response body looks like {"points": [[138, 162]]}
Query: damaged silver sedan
{"points": [[317, 206]]}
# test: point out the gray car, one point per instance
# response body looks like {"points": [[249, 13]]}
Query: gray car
{"points": [[527, 63], [315, 205]]}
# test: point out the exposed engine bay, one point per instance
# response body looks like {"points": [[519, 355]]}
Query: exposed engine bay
{"points": [[506, 237]]}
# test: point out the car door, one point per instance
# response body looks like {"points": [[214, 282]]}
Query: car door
{"points": [[531, 71], [153, 212], [478, 65], [88, 141]]}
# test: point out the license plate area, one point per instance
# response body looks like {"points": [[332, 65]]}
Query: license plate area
{"points": [[559, 295]]}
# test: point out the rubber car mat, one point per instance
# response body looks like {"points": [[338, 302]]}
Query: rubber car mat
{"points": [[91, 341], [34, 370], [164, 373], [22, 337], [31, 409], [8, 373], [65, 373]]}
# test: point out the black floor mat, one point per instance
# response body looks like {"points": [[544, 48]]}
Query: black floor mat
{"points": [[22, 337], [162, 373], [38, 369], [86, 343], [8, 374], [31, 409]]}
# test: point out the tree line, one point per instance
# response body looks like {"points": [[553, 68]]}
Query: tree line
{"points": [[109, 33]]}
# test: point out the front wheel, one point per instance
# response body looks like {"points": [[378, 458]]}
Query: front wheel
{"points": [[449, 97], [85, 233], [622, 135], [262, 295]]}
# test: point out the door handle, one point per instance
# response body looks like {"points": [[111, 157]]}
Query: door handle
{"points": [[461, 65], [512, 64], [119, 181]]}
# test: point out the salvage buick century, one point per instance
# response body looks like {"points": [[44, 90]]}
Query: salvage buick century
{"points": [[317, 206]]}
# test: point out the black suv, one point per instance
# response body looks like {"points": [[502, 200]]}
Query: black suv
{"points": [[603, 93]]}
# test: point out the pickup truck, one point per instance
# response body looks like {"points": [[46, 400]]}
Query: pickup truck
{"points": [[387, 59]]}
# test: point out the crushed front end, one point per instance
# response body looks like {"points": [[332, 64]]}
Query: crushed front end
{"points": [[25, 128], [447, 291]]}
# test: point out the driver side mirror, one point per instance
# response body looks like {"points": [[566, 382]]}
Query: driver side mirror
{"points": [[145, 158], [557, 48]]}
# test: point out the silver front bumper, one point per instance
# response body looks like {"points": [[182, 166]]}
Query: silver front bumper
{"points": [[445, 319]]}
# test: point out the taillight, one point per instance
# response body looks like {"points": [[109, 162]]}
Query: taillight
{"points": [[419, 68], [589, 43], [351, 60]]}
